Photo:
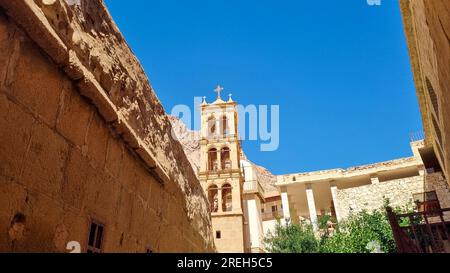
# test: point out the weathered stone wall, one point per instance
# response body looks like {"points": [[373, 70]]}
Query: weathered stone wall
{"points": [[399, 192], [427, 28], [83, 137], [230, 227], [436, 182]]}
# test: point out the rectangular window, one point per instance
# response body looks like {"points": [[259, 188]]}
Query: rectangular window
{"points": [[274, 208], [218, 234], [95, 238], [433, 97]]}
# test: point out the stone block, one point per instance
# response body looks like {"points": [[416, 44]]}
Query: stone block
{"points": [[139, 212], [43, 216], [37, 84], [14, 137], [152, 226], [156, 197], [45, 161], [102, 196], [13, 198], [97, 141], [7, 44], [128, 171], [114, 157], [144, 182], [124, 210], [175, 212], [76, 175], [74, 116], [77, 226]]}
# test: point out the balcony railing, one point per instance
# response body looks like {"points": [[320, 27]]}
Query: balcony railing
{"points": [[416, 136], [272, 215], [219, 172], [253, 186], [421, 233]]}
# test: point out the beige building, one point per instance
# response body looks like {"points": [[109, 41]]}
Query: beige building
{"points": [[220, 173], [239, 205], [245, 206], [427, 28], [341, 192]]}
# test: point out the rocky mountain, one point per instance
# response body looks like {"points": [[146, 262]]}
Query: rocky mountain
{"points": [[190, 140]]}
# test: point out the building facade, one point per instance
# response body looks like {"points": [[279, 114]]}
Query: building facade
{"points": [[220, 173], [244, 210], [427, 30], [340, 192]]}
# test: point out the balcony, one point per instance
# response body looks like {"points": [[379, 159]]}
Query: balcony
{"points": [[418, 232], [220, 173], [428, 202], [253, 186], [272, 215]]}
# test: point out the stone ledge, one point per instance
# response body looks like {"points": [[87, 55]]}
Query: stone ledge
{"points": [[29, 16], [331, 174]]}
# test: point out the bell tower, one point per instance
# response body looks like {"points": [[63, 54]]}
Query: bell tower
{"points": [[220, 173]]}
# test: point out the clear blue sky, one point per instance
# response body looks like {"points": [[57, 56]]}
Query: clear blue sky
{"points": [[339, 70]]}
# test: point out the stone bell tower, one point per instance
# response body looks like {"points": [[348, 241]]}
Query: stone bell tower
{"points": [[220, 173]]}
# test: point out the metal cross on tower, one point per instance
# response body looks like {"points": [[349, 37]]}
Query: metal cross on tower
{"points": [[218, 90]]}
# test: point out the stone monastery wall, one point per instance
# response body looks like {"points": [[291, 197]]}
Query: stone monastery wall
{"points": [[399, 192], [84, 138]]}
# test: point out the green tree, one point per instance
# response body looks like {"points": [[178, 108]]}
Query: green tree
{"points": [[292, 238], [354, 235]]}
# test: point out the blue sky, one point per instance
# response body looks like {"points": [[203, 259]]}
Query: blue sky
{"points": [[339, 70]]}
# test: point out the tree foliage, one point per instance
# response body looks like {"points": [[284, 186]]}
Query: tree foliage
{"points": [[354, 235], [292, 238]]}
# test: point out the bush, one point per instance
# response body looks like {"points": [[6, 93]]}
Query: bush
{"points": [[352, 235], [292, 238]]}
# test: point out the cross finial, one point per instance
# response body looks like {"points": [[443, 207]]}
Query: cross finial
{"points": [[218, 90]]}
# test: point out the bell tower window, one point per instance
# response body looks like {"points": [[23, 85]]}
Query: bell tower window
{"points": [[212, 160], [213, 198], [227, 199], [212, 126], [225, 157], [224, 126]]}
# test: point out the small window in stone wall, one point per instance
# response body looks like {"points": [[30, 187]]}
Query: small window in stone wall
{"points": [[433, 97], [218, 234], [95, 239]]}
